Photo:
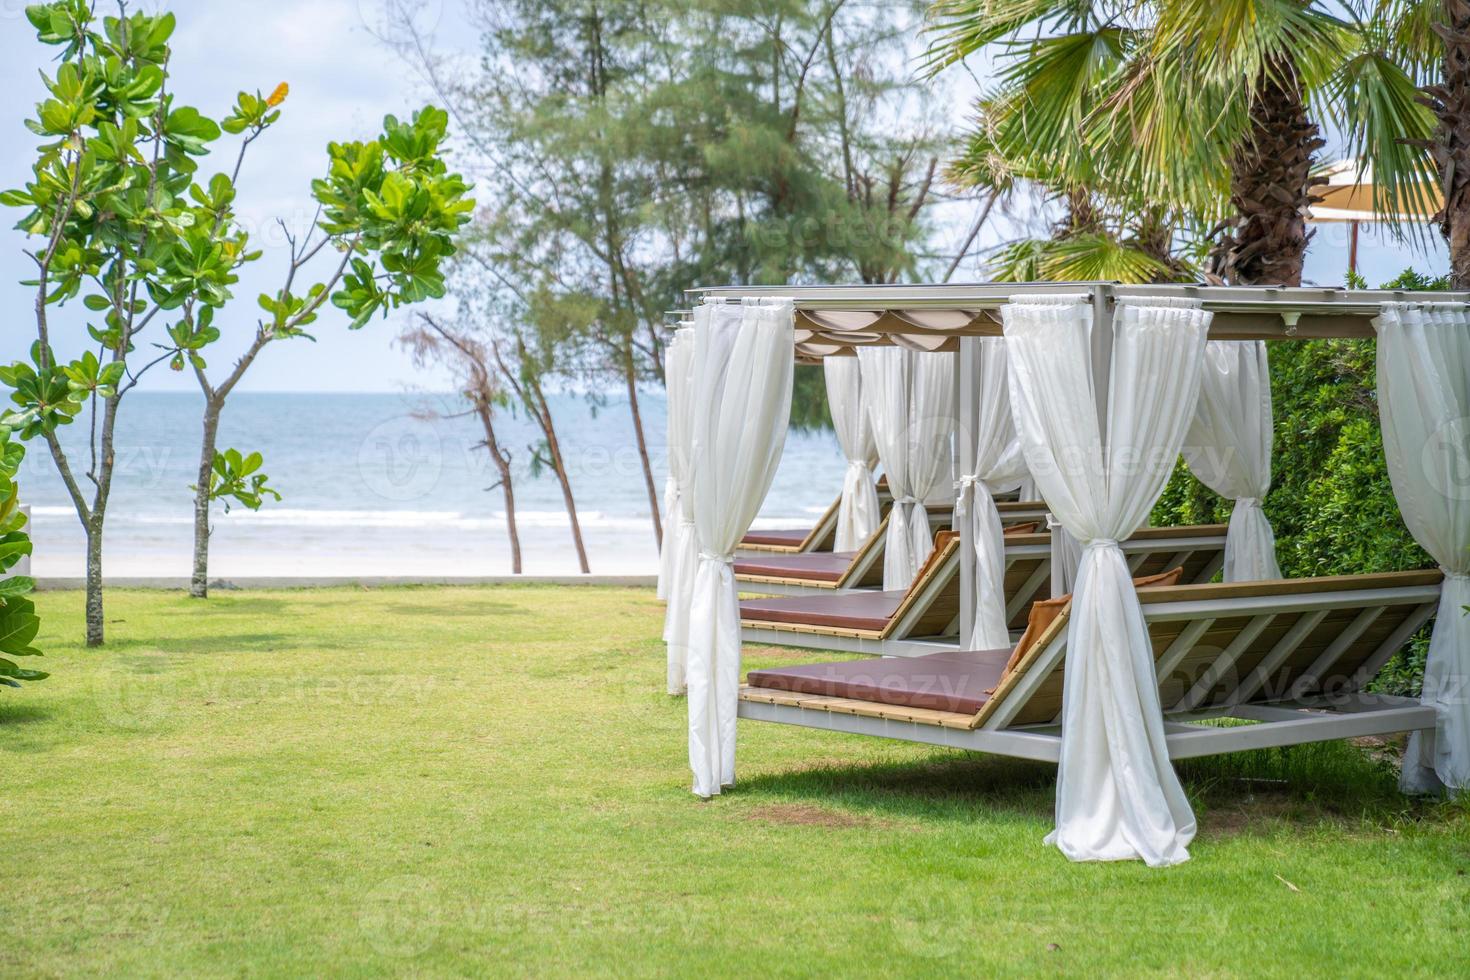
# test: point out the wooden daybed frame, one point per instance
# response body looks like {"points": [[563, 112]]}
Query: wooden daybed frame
{"points": [[821, 536], [865, 569], [927, 618], [1288, 657]]}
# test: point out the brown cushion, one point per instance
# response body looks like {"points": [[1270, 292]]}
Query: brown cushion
{"points": [[856, 610], [941, 541], [1045, 611], [789, 536], [1028, 528], [814, 566], [949, 681]]}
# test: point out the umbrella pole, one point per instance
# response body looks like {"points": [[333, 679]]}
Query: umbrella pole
{"points": [[1353, 251]]}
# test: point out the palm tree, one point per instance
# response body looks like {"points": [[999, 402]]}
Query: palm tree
{"points": [[1432, 40], [1205, 107], [1105, 231]]}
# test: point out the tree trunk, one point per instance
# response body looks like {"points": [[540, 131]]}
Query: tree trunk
{"points": [[96, 630], [630, 377], [1450, 102], [199, 585], [1271, 186], [558, 465], [502, 464]]}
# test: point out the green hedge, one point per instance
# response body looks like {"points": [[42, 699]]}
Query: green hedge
{"points": [[1331, 502]]}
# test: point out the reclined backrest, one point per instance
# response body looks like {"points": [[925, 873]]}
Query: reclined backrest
{"points": [[1246, 641]]}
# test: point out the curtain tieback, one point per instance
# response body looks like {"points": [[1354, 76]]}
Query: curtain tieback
{"points": [[1455, 576], [1102, 543], [684, 523], [722, 559], [906, 499], [966, 486], [1248, 502]]}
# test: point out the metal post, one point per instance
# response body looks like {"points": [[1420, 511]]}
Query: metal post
{"points": [[966, 425]]}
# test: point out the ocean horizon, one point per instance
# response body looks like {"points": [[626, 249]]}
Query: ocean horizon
{"points": [[383, 484]]}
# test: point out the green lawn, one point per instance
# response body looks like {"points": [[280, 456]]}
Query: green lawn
{"points": [[490, 781]]}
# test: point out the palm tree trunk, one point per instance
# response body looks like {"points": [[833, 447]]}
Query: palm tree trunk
{"points": [[1450, 102], [1271, 185]]}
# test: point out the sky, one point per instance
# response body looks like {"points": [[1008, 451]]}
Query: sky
{"points": [[342, 83]]}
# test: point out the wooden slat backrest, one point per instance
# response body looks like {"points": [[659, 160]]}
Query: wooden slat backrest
{"points": [[935, 593], [866, 569], [1202, 545], [1250, 641]]}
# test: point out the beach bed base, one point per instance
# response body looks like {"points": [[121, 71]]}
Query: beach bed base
{"points": [[1189, 734]]}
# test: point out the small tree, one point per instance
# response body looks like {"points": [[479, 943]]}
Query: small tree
{"points": [[106, 200], [115, 201], [477, 375], [387, 212]]}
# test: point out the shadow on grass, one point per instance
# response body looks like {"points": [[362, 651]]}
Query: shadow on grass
{"points": [[464, 610], [229, 602], [214, 644], [22, 714], [946, 786], [1246, 793]]}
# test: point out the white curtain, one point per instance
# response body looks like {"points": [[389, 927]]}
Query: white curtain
{"points": [[676, 361], [1229, 450], [668, 519], [910, 399], [1067, 551], [743, 359], [999, 466], [1424, 402], [857, 512], [1117, 794], [681, 550]]}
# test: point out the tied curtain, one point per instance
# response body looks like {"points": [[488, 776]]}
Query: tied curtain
{"points": [[1229, 450], [911, 405], [1118, 796], [999, 467], [1424, 402], [857, 510], [742, 375], [680, 549]]}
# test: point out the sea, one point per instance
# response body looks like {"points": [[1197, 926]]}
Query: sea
{"points": [[384, 485]]}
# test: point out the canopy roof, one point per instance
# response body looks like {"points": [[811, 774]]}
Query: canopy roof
{"points": [[1348, 196], [831, 320]]}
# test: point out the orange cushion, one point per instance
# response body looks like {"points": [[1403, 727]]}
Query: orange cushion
{"points": [[1030, 528], [941, 540], [1045, 611]]}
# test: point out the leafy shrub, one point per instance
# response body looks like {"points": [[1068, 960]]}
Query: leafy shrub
{"points": [[18, 620], [1331, 502]]}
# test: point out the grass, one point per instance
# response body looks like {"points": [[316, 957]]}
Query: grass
{"points": [[443, 781]]}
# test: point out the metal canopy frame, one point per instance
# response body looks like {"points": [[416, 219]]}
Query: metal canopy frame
{"points": [[933, 317], [832, 320]]}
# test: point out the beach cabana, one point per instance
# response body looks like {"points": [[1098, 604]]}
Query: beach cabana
{"points": [[1104, 386]]}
